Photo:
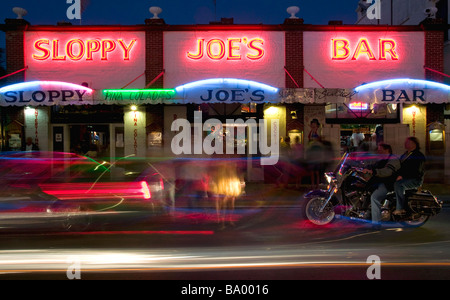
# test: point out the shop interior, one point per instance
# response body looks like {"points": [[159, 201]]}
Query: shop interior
{"points": [[90, 140]]}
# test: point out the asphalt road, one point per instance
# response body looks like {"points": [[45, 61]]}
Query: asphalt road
{"points": [[263, 243]]}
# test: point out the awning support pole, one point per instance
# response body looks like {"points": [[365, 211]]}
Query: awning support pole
{"points": [[21, 70], [314, 78], [435, 71], [156, 78], [287, 72], [132, 81]]}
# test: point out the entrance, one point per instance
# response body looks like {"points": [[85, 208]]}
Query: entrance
{"points": [[90, 140], [361, 137]]}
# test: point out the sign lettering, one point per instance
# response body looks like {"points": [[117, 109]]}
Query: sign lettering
{"points": [[77, 49], [43, 96], [340, 49], [403, 96], [231, 49], [45, 93], [233, 95]]}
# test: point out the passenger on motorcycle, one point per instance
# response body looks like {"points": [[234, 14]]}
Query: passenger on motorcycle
{"points": [[411, 173], [384, 172]]}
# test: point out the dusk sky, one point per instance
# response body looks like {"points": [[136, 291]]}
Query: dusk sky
{"points": [[175, 12], [180, 12]]}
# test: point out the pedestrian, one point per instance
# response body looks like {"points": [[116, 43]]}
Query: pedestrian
{"points": [[284, 165], [30, 146], [315, 158], [298, 161]]}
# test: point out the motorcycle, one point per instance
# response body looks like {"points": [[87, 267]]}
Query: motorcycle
{"points": [[348, 194]]}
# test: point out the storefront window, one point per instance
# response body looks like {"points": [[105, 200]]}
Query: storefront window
{"points": [[87, 114], [356, 110]]}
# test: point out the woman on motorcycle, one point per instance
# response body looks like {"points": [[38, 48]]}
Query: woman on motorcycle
{"points": [[411, 173]]}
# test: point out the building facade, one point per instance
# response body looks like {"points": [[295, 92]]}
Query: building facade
{"points": [[121, 89]]}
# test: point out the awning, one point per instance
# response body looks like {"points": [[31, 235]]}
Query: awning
{"points": [[404, 90], [35, 93], [224, 90]]}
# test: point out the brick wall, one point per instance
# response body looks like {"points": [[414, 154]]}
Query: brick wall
{"points": [[15, 49], [434, 55], [154, 48], [294, 58]]}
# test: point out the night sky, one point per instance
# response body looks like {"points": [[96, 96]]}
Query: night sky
{"points": [[184, 11], [181, 12]]}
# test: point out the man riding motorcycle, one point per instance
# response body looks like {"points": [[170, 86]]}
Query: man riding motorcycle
{"points": [[384, 173]]}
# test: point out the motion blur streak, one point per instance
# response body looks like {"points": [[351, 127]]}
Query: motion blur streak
{"points": [[176, 232], [186, 259]]}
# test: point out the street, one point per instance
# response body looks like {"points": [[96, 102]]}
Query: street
{"points": [[263, 243]]}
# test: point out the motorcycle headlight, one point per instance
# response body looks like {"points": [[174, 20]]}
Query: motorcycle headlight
{"points": [[329, 177]]}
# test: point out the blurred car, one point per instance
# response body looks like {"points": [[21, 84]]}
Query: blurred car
{"points": [[42, 187]]}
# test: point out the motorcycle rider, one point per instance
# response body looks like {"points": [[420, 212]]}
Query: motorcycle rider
{"points": [[411, 173], [384, 172]]}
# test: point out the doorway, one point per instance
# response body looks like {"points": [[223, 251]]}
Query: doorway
{"points": [[91, 140]]}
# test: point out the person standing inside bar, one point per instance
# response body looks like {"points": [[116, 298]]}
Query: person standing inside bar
{"points": [[30, 146]]}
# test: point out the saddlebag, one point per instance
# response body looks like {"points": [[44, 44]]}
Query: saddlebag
{"points": [[423, 202]]}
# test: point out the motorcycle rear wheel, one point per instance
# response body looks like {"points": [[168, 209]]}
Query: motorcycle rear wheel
{"points": [[417, 222], [313, 213]]}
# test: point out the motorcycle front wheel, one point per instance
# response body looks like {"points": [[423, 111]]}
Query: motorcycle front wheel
{"points": [[313, 213]]}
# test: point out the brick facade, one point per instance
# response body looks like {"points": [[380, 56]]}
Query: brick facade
{"points": [[15, 59], [294, 58], [154, 48], [434, 55]]}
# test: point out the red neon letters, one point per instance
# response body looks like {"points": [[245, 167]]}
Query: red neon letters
{"points": [[77, 49], [217, 49], [340, 49]]}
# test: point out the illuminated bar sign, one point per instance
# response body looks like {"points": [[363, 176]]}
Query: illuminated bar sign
{"points": [[358, 106], [227, 90], [103, 59], [340, 49], [349, 58], [77, 49], [403, 90], [246, 54], [230, 49], [139, 95], [46, 93]]}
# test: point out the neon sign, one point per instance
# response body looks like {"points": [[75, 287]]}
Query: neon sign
{"points": [[403, 90], [231, 48], [340, 49], [227, 90], [358, 106], [44, 93], [78, 49], [139, 94]]}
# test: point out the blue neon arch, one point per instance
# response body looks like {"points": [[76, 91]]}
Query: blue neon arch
{"points": [[226, 82], [404, 81]]}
